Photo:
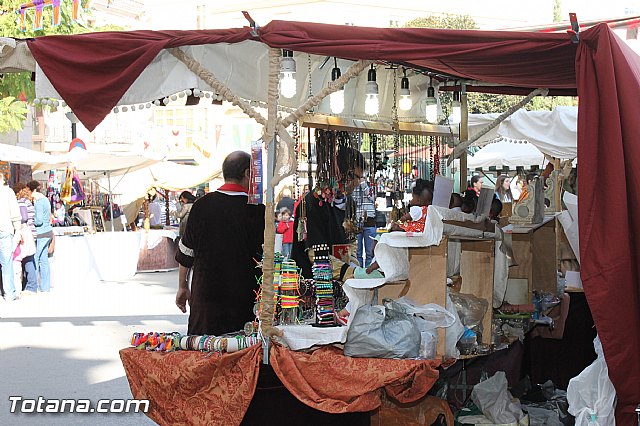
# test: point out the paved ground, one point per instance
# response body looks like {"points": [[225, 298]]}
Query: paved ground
{"points": [[65, 344]]}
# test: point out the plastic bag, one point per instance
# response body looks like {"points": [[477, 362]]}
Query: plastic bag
{"points": [[591, 395], [470, 308], [381, 332], [428, 344], [428, 318], [495, 401], [454, 332]]}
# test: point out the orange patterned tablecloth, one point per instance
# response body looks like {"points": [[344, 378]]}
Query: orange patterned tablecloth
{"points": [[194, 388]]}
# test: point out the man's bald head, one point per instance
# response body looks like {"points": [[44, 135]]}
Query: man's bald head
{"points": [[235, 166]]}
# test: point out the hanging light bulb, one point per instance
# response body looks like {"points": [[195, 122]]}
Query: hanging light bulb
{"points": [[431, 104], [456, 108], [336, 99], [371, 103], [405, 103], [287, 70]]}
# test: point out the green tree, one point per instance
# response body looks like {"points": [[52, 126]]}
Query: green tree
{"points": [[12, 114], [446, 21], [557, 11], [19, 85], [480, 103]]}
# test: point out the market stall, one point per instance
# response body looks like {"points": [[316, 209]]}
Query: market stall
{"points": [[515, 62]]}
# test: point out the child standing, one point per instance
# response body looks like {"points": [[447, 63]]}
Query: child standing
{"points": [[285, 227]]}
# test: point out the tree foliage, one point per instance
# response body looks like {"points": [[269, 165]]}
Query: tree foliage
{"points": [[446, 21], [557, 11], [12, 114], [480, 103], [19, 85]]}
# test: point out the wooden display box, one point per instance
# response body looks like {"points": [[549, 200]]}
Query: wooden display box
{"points": [[535, 251], [428, 278]]}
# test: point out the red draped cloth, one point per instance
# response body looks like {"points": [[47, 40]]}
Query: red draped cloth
{"points": [[608, 74], [195, 388]]}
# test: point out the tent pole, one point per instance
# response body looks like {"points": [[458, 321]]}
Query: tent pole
{"points": [[110, 199], [268, 305], [464, 135]]}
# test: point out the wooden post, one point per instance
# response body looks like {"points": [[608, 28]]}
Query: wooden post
{"points": [[464, 135]]}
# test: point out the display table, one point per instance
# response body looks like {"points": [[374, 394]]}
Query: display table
{"points": [[72, 262], [158, 250], [103, 256], [115, 254], [187, 387]]}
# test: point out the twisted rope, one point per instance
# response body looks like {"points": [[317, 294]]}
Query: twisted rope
{"points": [[268, 304], [462, 147], [208, 77]]}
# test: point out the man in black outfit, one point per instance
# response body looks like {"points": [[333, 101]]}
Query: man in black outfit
{"points": [[224, 235]]}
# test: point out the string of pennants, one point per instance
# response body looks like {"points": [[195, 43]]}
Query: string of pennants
{"points": [[38, 6]]}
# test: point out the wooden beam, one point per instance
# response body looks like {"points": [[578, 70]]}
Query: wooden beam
{"points": [[328, 122]]}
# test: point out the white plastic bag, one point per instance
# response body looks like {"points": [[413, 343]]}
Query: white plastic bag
{"points": [[382, 332], [591, 395], [453, 333], [431, 315], [495, 401]]}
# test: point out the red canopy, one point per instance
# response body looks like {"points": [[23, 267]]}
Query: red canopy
{"points": [[505, 57], [92, 71]]}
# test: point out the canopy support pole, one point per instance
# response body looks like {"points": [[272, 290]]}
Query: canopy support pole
{"points": [[267, 310], [464, 135], [110, 200]]}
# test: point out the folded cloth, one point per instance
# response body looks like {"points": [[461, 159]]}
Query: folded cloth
{"points": [[360, 273]]}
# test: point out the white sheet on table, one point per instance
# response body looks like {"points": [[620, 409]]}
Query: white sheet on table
{"points": [[300, 337], [153, 237]]}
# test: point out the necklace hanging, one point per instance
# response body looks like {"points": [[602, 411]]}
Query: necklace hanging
{"points": [[431, 158], [436, 159]]}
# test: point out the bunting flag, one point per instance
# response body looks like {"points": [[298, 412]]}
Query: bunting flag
{"points": [[39, 6]]}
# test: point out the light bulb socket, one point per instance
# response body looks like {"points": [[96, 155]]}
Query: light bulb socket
{"points": [[405, 92], [371, 76], [404, 84], [287, 53], [335, 74], [456, 96], [287, 64], [431, 92], [371, 88]]}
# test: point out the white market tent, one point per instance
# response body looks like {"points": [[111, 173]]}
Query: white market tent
{"points": [[552, 132], [20, 155], [93, 165], [166, 175], [506, 154]]}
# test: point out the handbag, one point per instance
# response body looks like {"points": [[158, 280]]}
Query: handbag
{"points": [[28, 244]]}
